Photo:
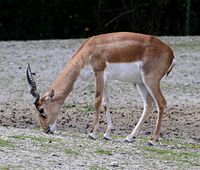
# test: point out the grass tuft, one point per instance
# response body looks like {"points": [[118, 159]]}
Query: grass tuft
{"points": [[103, 152], [71, 152], [33, 138], [173, 155], [5, 143], [97, 167]]}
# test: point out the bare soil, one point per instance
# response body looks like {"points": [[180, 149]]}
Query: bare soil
{"points": [[47, 58]]}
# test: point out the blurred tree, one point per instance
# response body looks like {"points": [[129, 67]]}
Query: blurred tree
{"points": [[48, 19], [187, 18]]}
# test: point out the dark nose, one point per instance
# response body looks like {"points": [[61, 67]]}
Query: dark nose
{"points": [[41, 110]]}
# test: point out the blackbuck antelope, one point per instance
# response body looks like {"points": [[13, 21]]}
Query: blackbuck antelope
{"points": [[136, 58]]}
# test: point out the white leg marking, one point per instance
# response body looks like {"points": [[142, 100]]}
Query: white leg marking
{"points": [[53, 127], [147, 100], [107, 110], [92, 135]]}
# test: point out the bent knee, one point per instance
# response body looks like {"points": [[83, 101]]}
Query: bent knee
{"points": [[162, 105]]}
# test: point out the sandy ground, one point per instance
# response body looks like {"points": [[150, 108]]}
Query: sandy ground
{"points": [[47, 58]]}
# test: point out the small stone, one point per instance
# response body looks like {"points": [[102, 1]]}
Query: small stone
{"points": [[147, 133], [53, 154], [114, 164], [186, 84]]}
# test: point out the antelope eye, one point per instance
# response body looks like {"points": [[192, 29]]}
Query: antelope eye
{"points": [[41, 110]]}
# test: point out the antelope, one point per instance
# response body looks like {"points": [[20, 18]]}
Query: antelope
{"points": [[131, 57]]}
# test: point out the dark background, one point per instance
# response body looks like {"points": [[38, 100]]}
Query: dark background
{"points": [[61, 19]]}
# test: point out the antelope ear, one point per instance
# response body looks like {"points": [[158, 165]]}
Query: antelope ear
{"points": [[51, 94]]}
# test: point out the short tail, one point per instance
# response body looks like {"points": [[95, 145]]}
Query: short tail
{"points": [[170, 68]]}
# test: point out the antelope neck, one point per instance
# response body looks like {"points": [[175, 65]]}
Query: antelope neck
{"points": [[65, 81]]}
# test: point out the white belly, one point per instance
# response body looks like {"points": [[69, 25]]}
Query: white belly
{"points": [[128, 72]]}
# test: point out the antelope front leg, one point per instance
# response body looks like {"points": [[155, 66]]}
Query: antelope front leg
{"points": [[108, 116], [98, 100]]}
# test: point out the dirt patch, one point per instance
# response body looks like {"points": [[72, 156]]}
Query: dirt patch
{"points": [[47, 58]]}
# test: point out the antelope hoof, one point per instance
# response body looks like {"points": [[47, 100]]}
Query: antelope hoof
{"points": [[152, 142], [149, 144], [107, 137], [129, 139], [92, 136]]}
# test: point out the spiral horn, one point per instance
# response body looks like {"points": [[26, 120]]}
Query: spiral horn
{"points": [[32, 84]]}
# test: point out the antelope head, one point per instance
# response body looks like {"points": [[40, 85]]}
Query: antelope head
{"points": [[47, 106]]}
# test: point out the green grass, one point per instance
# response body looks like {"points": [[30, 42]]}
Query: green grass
{"points": [[173, 155], [44, 142], [178, 144], [97, 167], [183, 155], [117, 137], [191, 146], [166, 151], [68, 106], [72, 152], [40, 139], [33, 138], [5, 143], [46, 59], [87, 108], [4, 167], [10, 166], [103, 152]]}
